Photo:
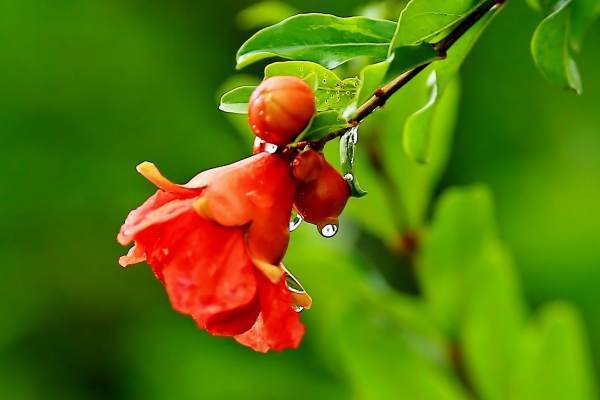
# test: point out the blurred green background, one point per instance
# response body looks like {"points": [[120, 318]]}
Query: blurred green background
{"points": [[89, 88]]}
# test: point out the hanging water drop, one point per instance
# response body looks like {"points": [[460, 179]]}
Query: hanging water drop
{"points": [[354, 135], [295, 222], [270, 148], [328, 230], [297, 308], [349, 177]]}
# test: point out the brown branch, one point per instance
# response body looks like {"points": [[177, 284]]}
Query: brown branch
{"points": [[381, 95]]}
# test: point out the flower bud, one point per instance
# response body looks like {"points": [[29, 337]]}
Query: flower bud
{"points": [[321, 200], [280, 108], [307, 166]]}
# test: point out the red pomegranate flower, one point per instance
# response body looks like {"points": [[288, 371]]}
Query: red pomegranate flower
{"points": [[216, 243]]}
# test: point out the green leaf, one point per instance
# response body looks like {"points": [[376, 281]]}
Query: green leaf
{"points": [[236, 100], [550, 49], [417, 130], [371, 78], [554, 360], [374, 76], [422, 19], [470, 283], [411, 184], [407, 57], [321, 38], [239, 121], [347, 148], [332, 93], [447, 68], [264, 14], [322, 124]]}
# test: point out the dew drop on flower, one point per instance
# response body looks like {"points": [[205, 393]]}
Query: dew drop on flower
{"points": [[294, 286], [349, 177], [295, 222], [328, 230]]}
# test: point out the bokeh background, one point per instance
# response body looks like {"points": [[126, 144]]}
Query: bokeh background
{"points": [[89, 88]]}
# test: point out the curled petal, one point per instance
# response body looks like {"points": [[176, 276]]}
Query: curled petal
{"points": [[135, 255]]}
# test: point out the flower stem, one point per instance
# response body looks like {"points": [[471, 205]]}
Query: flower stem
{"points": [[381, 95]]}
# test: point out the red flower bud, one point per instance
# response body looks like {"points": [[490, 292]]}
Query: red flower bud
{"points": [[321, 200], [280, 108], [307, 166]]}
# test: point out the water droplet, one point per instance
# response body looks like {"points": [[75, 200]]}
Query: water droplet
{"points": [[165, 251], [261, 112], [328, 230], [297, 308], [295, 222], [349, 177], [324, 81], [354, 135], [270, 148]]}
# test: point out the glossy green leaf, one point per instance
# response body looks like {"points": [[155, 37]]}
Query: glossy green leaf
{"points": [[322, 124], [422, 19], [447, 68], [239, 121], [414, 183], [373, 76], [236, 100], [321, 38], [417, 129], [407, 57], [347, 149], [264, 14], [332, 93], [554, 360], [418, 126], [470, 283], [550, 49]]}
